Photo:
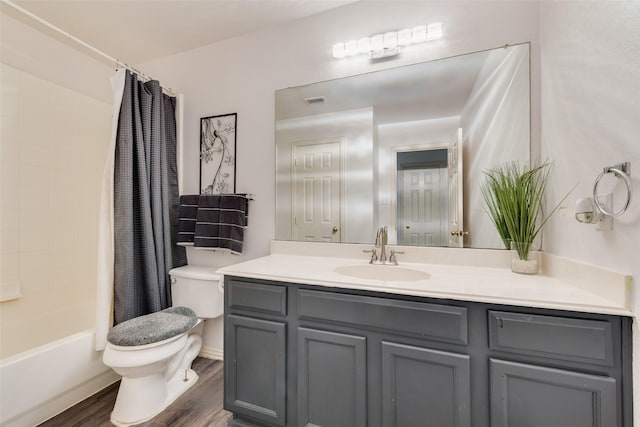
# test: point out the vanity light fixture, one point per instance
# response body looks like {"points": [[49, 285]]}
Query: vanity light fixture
{"points": [[389, 43]]}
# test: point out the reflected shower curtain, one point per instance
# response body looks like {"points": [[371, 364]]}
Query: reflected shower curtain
{"points": [[140, 241]]}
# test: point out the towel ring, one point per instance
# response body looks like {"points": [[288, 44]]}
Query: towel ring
{"points": [[622, 171]]}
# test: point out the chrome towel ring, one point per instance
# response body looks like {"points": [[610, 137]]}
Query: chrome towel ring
{"points": [[622, 170]]}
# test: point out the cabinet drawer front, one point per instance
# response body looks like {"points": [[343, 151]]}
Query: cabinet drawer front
{"points": [[429, 321], [269, 299], [576, 340]]}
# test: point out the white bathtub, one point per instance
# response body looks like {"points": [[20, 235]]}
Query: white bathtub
{"points": [[40, 383]]}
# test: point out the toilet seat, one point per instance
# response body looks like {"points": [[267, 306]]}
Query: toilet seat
{"points": [[144, 346], [152, 328]]}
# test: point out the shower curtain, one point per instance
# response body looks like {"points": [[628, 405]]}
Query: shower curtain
{"points": [[139, 213]]}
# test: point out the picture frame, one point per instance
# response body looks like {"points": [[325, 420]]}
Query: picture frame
{"points": [[218, 154]]}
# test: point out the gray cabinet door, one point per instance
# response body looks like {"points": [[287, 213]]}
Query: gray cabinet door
{"points": [[332, 370], [525, 395], [255, 368], [422, 387]]}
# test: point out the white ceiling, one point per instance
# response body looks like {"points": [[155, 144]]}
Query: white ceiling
{"points": [[136, 31]]}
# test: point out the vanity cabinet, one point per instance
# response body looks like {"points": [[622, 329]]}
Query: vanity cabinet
{"points": [[305, 356]]}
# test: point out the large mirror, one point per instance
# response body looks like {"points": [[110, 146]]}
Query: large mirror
{"points": [[404, 147]]}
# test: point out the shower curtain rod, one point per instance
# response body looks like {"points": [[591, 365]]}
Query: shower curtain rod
{"points": [[86, 45]]}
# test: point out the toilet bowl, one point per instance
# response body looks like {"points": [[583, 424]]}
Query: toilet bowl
{"points": [[153, 353]]}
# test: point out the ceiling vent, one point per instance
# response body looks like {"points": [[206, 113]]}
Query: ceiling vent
{"points": [[315, 100]]}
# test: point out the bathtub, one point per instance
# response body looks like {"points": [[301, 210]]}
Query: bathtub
{"points": [[40, 383]]}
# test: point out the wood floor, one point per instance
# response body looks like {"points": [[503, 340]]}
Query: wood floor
{"points": [[200, 406]]}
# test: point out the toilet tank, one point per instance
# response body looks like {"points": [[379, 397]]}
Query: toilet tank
{"points": [[198, 288]]}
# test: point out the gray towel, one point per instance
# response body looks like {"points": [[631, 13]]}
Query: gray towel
{"points": [[221, 221], [187, 215]]}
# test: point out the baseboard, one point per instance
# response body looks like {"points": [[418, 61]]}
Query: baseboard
{"points": [[237, 422], [211, 353]]}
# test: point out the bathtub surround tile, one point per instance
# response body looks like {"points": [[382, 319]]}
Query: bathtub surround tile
{"points": [[52, 162], [34, 271], [35, 238], [10, 271], [10, 241], [10, 197], [10, 99], [35, 304], [9, 218], [9, 311], [10, 174]]}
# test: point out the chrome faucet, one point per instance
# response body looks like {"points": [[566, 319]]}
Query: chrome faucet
{"points": [[381, 242]]}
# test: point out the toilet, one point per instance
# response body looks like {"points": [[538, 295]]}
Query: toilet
{"points": [[153, 353]]}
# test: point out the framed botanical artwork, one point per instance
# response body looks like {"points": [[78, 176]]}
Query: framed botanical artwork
{"points": [[218, 154]]}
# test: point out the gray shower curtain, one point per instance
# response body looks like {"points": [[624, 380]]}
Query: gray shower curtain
{"points": [[145, 201]]}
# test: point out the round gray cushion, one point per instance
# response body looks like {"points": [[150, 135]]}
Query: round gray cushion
{"points": [[153, 327]]}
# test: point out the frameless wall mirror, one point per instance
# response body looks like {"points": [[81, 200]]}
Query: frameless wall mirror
{"points": [[404, 147]]}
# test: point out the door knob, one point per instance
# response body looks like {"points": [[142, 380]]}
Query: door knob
{"points": [[407, 227], [334, 230], [460, 233]]}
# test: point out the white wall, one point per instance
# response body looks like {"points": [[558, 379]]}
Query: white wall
{"points": [[590, 119], [241, 75], [46, 55]]}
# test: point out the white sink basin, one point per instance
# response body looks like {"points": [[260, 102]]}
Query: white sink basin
{"points": [[389, 273]]}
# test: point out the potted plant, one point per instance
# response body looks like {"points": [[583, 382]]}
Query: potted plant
{"points": [[514, 198]]}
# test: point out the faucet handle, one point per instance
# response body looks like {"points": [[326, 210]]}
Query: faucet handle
{"points": [[374, 256], [392, 257]]}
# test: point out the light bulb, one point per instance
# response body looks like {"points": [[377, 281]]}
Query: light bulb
{"points": [[351, 48], [377, 42], [404, 37], [419, 34], [364, 45], [434, 31], [390, 40]]}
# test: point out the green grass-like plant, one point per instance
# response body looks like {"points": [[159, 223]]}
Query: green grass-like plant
{"points": [[514, 198]]}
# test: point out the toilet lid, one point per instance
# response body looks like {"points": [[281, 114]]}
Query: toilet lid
{"points": [[153, 327]]}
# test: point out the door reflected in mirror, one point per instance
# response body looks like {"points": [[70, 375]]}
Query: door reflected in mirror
{"points": [[404, 147], [422, 201]]}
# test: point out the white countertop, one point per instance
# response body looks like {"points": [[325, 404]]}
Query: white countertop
{"points": [[584, 291]]}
